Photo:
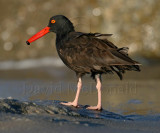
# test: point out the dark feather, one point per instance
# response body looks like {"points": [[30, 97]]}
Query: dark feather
{"points": [[86, 53]]}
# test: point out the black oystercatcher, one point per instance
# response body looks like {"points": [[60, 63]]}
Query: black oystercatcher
{"points": [[86, 53]]}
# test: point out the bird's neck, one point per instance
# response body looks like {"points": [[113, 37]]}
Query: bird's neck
{"points": [[64, 30], [63, 36]]}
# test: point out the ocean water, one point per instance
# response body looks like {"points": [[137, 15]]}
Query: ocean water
{"points": [[30, 97]]}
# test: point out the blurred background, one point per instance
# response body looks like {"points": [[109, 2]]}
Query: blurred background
{"points": [[133, 23]]}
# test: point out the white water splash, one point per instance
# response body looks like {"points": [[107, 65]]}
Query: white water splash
{"points": [[31, 63]]}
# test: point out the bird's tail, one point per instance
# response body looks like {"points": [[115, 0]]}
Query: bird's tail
{"points": [[119, 70]]}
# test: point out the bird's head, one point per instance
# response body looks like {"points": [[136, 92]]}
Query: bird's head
{"points": [[58, 24]]}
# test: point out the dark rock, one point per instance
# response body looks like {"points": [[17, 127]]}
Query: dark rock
{"points": [[53, 107]]}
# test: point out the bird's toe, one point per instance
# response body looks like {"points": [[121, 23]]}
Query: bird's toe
{"points": [[94, 108], [70, 104]]}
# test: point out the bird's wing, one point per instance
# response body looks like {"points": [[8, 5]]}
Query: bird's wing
{"points": [[79, 34], [76, 35], [88, 52]]}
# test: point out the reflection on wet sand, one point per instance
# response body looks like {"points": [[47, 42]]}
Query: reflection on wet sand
{"points": [[136, 94], [125, 97], [136, 98]]}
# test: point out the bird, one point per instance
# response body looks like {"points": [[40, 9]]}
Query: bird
{"points": [[87, 53]]}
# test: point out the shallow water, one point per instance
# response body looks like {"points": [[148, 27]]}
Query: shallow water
{"points": [[123, 97], [54, 116], [129, 105]]}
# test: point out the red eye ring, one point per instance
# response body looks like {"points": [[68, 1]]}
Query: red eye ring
{"points": [[53, 21]]}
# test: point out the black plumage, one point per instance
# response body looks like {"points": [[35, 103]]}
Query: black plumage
{"points": [[87, 53]]}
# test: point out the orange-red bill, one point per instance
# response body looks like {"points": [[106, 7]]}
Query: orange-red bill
{"points": [[38, 35]]}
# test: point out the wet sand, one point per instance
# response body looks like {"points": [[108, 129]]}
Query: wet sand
{"points": [[50, 116], [131, 105]]}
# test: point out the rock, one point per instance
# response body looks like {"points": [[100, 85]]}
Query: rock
{"points": [[53, 108]]}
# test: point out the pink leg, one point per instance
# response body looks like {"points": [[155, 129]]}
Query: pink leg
{"points": [[98, 86], [75, 102]]}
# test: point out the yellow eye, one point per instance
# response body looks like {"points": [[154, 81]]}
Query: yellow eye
{"points": [[53, 21]]}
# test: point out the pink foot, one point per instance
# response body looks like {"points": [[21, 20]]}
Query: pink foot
{"points": [[70, 104], [95, 107]]}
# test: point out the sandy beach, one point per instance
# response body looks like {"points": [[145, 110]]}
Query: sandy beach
{"points": [[27, 105]]}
